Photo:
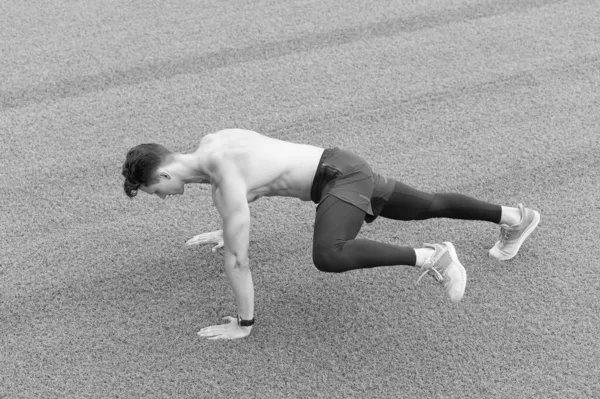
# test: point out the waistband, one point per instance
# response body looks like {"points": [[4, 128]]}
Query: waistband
{"points": [[321, 176]]}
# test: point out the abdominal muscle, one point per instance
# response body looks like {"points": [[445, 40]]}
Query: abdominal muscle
{"points": [[271, 167], [290, 173], [283, 186]]}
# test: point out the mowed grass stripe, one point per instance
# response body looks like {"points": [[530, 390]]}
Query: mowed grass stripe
{"points": [[82, 85]]}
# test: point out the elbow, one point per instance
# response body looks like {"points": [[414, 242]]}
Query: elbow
{"points": [[242, 263], [238, 262]]}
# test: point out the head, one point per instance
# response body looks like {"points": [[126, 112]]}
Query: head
{"points": [[146, 168]]}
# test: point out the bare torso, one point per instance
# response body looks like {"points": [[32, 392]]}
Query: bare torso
{"points": [[268, 167]]}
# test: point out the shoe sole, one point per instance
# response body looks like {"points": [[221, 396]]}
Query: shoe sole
{"points": [[463, 272], [532, 226]]}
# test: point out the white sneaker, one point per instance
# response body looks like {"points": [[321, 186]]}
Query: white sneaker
{"points": [[512, 237], [446, 269]]}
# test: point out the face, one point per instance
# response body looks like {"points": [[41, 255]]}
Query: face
{"points": [[165, 185]]}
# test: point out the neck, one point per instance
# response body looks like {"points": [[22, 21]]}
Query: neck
{"points": [[188, 168]]}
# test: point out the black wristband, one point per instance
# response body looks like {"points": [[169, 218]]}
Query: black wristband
{"points": [[244, 323]]}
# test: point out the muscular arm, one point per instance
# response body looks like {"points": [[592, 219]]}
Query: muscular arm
{"points": [[230, 198]]}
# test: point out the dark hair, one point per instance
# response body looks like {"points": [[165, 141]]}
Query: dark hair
{"points": [[140, 164]]}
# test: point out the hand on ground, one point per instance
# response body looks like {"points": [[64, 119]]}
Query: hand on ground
{"points": [[229, 330], [214, 237]]}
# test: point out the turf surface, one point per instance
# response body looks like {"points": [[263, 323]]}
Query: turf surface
{"points": [[99, 298]]}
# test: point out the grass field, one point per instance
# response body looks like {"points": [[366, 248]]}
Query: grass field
{"points": [[99, 296]]}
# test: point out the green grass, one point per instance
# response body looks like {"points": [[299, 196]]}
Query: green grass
{"points": [[99, 296]]}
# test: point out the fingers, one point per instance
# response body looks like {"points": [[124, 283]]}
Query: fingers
{"points": [[221, 244], [221, 331], [210, 332], [215, 330], [199, 240], [196, 240], [213, 334], [206, 238]]}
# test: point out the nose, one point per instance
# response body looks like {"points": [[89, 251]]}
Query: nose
{"points": [[162, 196]]}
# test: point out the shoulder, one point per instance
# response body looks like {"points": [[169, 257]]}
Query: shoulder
{"points": [[235, 132], [229, 145], [229, 139], [222, 165]]}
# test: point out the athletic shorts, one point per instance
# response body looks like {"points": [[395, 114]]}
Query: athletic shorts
{"points": [[349, 177]]}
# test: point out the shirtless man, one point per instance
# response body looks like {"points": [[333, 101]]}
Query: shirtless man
{"points": [[242, 166]]}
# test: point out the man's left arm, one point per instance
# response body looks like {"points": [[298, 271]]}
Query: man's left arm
{"points": [[214, 237]]}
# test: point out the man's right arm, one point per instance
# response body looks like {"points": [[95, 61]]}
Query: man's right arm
{"points": [[230, 198], [236, 236]]}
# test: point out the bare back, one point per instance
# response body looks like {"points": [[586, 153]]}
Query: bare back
{"points": [[267, 166]]}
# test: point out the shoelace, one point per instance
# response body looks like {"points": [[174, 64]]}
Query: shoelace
{"points": [[433, 272], [504, 234]]}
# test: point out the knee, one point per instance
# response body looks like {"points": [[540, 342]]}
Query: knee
{"points": [[327, 260], [438, 207], [429, 207]]}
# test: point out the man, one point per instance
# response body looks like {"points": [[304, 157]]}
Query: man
{"points": [[242, 166]]}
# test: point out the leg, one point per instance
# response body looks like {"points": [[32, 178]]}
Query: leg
{"points": [[407, 203], [335, 248]]}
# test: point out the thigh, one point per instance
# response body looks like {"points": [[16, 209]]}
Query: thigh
{"points": [[336, 222], [406, 203]]}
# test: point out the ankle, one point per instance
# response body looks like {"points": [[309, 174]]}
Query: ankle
{"points": [[510, 216], [423, 254]]}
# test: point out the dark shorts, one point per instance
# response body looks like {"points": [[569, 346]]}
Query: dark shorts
{"points": [[349, 177]]}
